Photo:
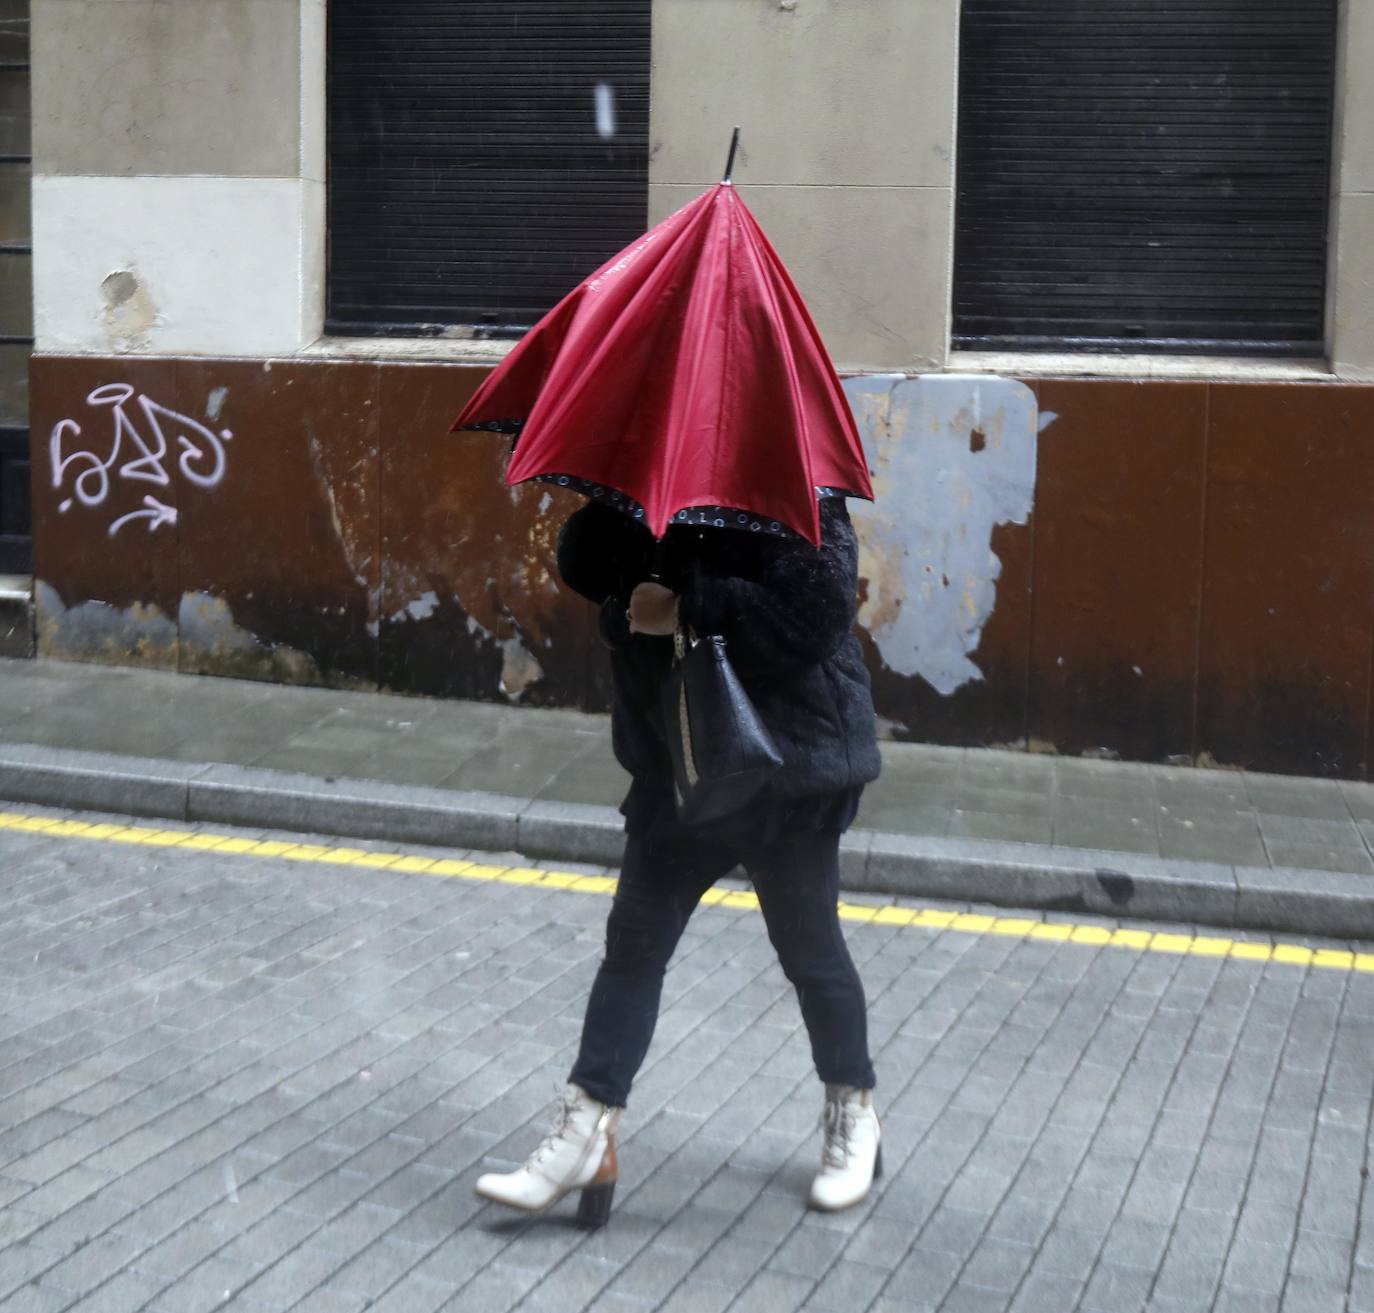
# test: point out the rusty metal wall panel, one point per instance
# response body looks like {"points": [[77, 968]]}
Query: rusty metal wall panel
{"points": [[471, 602], [106, 493], [280, 560], [1284, 665], [1118, 565], [342, 535], [304, 521]]}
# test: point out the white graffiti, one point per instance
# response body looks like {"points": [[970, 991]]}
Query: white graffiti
{"points": [[141, 448], [157, 513]]}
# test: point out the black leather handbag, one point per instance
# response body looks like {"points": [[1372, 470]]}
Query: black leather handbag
{"points": [[721, 751]]}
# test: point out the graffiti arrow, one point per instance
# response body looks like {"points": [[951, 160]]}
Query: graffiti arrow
{"points": [[156, 514]]}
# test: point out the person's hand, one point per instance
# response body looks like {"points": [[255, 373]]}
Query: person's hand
{"points": [[653, 610]]}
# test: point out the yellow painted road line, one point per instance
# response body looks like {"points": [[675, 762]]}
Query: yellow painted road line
{"points": [[860, 912], [973, 923], [913, 918], [894, 916], [932, 918]]}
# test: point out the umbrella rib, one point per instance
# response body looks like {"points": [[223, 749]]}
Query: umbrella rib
{"points": [[587, 374], [790, 365], [727, 372], [676, 451]]}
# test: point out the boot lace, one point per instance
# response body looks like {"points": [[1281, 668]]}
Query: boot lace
{"points": [[838, 1120], [562, 1120]]}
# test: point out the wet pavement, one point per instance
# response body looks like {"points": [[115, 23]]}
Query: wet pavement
{"points": [[1179, 813]]}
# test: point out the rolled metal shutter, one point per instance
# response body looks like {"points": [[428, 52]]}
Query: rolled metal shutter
{"points": [[472, 180], [1144, 175], [16, 290]]}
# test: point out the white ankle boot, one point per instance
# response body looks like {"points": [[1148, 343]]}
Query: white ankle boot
{"points": [[577, 1154], [852, 1155]]}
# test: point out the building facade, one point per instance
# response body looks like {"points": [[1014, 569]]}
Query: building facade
{"points": [[1101, 285]]}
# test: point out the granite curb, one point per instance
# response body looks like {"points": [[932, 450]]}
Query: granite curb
{"points": [[1027, 875]]}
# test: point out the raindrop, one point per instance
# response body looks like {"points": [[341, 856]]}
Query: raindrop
{"points": [[605, 110]]}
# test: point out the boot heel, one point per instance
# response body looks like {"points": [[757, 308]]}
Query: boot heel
{"points": [[878, 1163], [594, 1207]]}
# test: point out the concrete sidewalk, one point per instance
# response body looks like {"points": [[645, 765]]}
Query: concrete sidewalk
{"points": [[1216, 847]]}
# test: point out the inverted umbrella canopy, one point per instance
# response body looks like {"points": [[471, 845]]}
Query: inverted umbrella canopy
{"points": [[684, 374]]}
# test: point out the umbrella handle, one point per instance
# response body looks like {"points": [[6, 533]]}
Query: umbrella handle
{"points": [[730, 161]]}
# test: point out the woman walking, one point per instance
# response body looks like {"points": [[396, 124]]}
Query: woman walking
{"points": [[786, 610]]}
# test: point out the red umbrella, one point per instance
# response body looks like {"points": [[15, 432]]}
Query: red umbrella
{"points": [[683, 380]]}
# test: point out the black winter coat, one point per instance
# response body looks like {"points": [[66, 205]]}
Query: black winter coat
{"points": [[786, 611]]}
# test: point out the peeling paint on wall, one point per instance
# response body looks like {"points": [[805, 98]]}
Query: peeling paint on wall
{"points": [[953, 456], [421, 608], [96, 631], [210, 633], [349, 530], [128, 313], [519, 668]]}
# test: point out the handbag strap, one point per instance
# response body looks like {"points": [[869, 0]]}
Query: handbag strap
{"points": [[683, 638]]}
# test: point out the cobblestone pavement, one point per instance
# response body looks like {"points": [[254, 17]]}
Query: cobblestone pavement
{"points": [[233, 1078]]}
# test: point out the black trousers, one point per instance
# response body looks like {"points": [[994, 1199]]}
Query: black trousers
{"points": [[662, 879]]}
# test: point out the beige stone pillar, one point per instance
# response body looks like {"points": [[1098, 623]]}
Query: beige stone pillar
{"points": [[1350, 300], [847, 115], [178, 175]]}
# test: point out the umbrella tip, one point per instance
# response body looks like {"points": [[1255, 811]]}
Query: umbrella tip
{"points": [[730, 161]]}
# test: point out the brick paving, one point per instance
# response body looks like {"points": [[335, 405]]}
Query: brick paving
{"points": [[240, 1082]]}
